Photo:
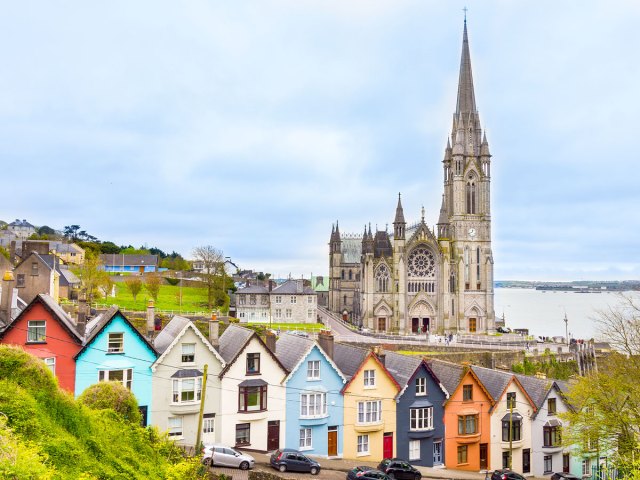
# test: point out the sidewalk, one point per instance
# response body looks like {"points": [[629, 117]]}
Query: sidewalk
{"points": [[341, 465]]}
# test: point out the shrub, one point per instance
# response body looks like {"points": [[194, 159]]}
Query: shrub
{"points": [[114, 396]]}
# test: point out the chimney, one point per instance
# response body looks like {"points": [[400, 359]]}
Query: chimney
{"points": [[214, 329], [270, 340], [299, 286], [150, 319], [325, 339], [271, 285], [81, 323], [379, 352], [6, 302]]}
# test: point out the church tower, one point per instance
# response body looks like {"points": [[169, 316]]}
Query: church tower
{"points": [[464, 225]]}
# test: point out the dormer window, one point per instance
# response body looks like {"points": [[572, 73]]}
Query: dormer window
{"points": [[253, 363], [551, 406], [369, 378], [421, 386], [467, 393], [188, 352], [313, 370]]}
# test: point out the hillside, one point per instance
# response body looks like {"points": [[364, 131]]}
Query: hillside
{"points": [[46, 434]]}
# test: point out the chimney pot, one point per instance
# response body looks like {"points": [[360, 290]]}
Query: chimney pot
{"points": [[150, 318]]}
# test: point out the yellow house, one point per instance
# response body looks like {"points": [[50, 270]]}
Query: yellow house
{"points": [[369, 409]]}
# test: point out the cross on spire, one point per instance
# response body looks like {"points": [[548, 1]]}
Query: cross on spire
{"points": [[465, 9]]}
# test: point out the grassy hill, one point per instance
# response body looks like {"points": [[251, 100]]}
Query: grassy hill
{"points": [[46, 434]]}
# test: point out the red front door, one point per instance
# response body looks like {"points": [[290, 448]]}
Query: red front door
{"points": [[387, 445]]}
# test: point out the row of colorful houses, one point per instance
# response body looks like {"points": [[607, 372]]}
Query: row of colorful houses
{"points": [[320, 396]]}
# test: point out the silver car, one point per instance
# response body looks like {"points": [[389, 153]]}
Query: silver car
{"points": [[223, 456]]}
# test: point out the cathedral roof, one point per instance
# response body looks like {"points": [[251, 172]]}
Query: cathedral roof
{"points": [[382, 245], [351, 249]]}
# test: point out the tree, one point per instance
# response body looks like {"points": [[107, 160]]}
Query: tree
{"points": [[70, 232], [212, 261], [606, 413], [109, 247], [152, 283], [45, 230], [94, 278], [134, 285], [112, 395]]}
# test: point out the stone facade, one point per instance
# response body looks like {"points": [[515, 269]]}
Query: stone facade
{"points": [[290, 302], [419, 278]]}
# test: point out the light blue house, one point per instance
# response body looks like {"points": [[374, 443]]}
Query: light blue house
{"points": [[314, 408], [114, 350]]}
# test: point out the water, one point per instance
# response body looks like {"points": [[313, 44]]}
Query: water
{"points": [[542, 312]]}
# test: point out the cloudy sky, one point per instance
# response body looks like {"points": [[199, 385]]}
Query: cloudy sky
{"points": [[252, 126]]}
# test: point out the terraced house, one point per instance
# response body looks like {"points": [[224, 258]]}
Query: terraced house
{"points": [[315, 417]]}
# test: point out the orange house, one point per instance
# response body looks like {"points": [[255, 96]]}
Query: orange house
{"points": [[45, 330], [467, 422]]}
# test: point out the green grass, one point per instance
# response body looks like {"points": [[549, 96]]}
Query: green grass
{"points": [[194, 299], [312, 327], [411, 352]]}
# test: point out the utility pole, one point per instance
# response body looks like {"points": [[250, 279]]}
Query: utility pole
{"points": [[566, 327], [510, 434], [203, 395]]}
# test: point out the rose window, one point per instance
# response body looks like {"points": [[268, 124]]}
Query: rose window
{"points": [[421, 263]]}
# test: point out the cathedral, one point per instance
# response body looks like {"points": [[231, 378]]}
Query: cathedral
{"points": [[420, 279]]}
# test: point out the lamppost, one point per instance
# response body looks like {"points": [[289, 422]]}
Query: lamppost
{"points": [[566, 327]]}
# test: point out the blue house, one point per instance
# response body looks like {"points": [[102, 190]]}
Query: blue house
{"points": [[114, 350], [314, 408], [419, 410]]}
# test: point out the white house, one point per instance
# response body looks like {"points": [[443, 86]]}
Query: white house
{"points": [[253, 413], [177, 382]]}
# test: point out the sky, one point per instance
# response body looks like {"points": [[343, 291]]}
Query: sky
{"points": [[253, 126]]}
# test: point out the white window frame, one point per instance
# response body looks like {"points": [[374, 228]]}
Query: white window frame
{"points": [[369, 412], [309, 313], [294, 299], [209, 425], [180, 386], [369, 379], [288, 313], [306, 442], [113, 345], [50, 362], [313, 405], [186, 352], [420, 419], [36, 333], [174, 426], [310, 299], [421, 386], [313, 370], [362, 445], [414, 450], [127, 376], [278, 313]]}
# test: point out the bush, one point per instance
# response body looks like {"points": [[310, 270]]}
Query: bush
{"points": [[114, 396]]}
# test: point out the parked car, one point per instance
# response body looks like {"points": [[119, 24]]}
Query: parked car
{"points": [[400, 469], [366, 473], [564, 476], [222, 455], [287, 459], [506, 474], [503, 329]]}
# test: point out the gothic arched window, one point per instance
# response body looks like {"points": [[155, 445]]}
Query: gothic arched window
{"points": [[471, 195], [350, 275], [382, 278], [342, 275]]}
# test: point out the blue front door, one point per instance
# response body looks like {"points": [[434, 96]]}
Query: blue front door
{"points": [[437, 453]]}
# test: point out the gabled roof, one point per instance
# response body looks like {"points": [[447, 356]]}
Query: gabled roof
{"points": [[375, 358], [67, 277], [100, 322], [404, 368], [56, 312], [172, 333], [37, 256], [234, 340], [320, 283], [348, 358], [252, 289], [292, 350], [449, 373], [494, 381], [292, 287]]}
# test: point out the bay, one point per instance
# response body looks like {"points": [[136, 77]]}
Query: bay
{"points": [[542, 312]]}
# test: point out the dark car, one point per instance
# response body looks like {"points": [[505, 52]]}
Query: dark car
{"points": [[287, 459], [366, 473], [400, 469], [564, 476], [506, 474]]}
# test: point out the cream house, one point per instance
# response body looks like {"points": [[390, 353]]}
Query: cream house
{"points": [[253, 413], [178, 379]]}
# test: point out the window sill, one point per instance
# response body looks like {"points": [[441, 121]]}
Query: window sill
{"points": [[421, 394], [305, 449], [252, 411], [242, 445], [252, 374], [36, 343], [115, 353], [363, 454], [370, 387], [421, 429], [313, 379]]}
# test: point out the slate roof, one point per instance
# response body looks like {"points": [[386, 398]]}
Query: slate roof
{"points": [[401, 367], [351, 249], [169, 333], [448, 373], [21, 223], [253, 289], [67, 277], [537, 388], [348, 358], [291, 348], [290, 287], [232, 341], [494, 381], [128, 259]]}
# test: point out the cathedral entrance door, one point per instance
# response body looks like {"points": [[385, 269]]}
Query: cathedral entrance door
{"points": [[382, 324], [415, 325], [425, 325], [472, 325]]}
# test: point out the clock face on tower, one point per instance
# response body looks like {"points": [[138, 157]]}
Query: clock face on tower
{"points": [[472, 232]]}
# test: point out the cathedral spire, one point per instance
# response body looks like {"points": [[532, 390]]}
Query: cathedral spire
{"points": [[399, 212], [466, 98], [399, 223]]}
